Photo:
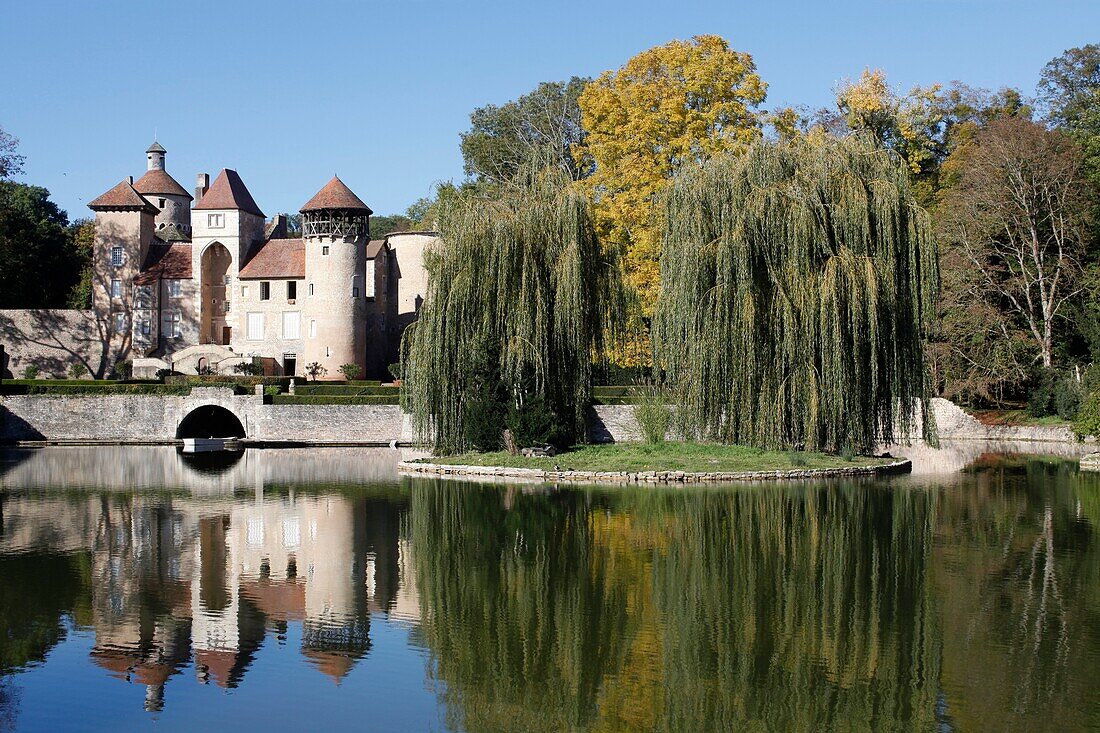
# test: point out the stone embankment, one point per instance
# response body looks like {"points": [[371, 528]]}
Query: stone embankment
{"points": [[1090, 462], [648, 477]]}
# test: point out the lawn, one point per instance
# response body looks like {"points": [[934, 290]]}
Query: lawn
{"points": [[1016, 417], [635, 457]]}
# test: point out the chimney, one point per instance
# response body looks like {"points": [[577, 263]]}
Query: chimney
{"points": [[130, 180], [202, 183]]}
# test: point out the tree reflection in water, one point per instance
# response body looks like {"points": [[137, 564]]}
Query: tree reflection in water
{"points": [[855, 606], [971, 603]]}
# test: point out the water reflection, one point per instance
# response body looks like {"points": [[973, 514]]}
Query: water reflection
{"points": [[967, 602]]}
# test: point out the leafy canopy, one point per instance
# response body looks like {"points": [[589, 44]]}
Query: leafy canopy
{"points": [[669, 107], [519, 295], [796, 284]]}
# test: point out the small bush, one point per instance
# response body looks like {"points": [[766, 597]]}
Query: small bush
{"points": [[249, 368], [31, 372], [534, 423], [297, 399], [483, 423], [1055, 393], [315, 371], [395, 369], [272, 389], [77, 370], [350, 371], [652, 414], [162, 374], [1088, 417], [797, 458], [206, 370]]}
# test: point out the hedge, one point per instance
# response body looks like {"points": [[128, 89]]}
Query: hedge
{"points": [[94, 390], [297, 399], [340, 389]]}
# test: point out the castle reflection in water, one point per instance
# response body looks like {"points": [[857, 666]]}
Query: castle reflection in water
{"points": [[205, 573]]}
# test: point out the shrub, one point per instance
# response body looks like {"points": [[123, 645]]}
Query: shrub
{"points": [[652, 415], [249, 368], [534, 423], [351, 371], [1088, 417], [1055, 393], [272, 389], [797, 458], [315, 371], [31, 372], [206, 370], [395, 369], [77, 370], [483, 423], [163, 373]]}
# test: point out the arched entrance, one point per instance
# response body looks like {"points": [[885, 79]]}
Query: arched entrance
{"points": [[210, 421], [215, 264]]}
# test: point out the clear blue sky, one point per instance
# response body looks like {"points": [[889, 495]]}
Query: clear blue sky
{"points": [[290, 92]]}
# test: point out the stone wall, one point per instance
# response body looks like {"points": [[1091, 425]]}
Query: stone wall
{"points": [[54, 340], [151, 418], [616, 423]]}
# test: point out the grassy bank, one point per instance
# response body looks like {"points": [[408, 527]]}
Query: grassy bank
{"points": [[691, 457]]}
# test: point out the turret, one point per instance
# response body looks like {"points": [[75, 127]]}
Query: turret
{"points": [[335, 230], [169, 198]]}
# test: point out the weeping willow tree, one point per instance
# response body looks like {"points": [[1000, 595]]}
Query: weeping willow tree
{"points": [[796, 283], [519, 297]]}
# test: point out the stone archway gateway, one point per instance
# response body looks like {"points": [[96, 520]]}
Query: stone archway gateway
{"points": [[216, 260], [210, 421]]}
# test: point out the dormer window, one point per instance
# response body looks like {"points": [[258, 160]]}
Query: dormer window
{"points": [[116, 256], [215, 221]]}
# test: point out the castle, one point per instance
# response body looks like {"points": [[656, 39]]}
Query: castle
{"points": [[202, 283]]}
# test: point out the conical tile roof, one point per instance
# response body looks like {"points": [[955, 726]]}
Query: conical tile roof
{"points": [[228, 192], [336, 195]]}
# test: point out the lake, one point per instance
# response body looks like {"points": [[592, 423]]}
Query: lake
{"points": [[314, 589]]}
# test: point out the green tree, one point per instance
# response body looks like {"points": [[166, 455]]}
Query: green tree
{"points": [[518, 288], [380, 226], [39, 263], [11, 162], [545, 123], [83, 234]]}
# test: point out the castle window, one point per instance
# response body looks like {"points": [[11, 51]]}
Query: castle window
{"points": [[226, 308], [145, 328], [162, 205], [291, 289], [116, 288], [175, 288], [255, 326], [116, 256], [215, 221], [244, 291], [292, 328], [265, 290], [311, 288], [120, 322], [324, 250], [355, 286], [312, 329], [170, 325]]}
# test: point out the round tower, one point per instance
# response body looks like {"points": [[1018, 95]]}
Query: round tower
{"points": [[335, 230], [167, 196]]}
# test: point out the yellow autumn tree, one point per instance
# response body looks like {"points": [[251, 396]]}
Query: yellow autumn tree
{"points": [[668, 107]]}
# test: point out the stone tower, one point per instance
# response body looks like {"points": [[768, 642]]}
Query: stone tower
{"points": [[335, 230], [169, 198]]}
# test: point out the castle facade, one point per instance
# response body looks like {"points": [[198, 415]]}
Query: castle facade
{"points": [[203, 282]]}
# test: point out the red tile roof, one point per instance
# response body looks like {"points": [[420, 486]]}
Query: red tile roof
{"points": [[229, 192], [158, 181], [277, 259], [336, 195], [165, 261], [375, 247], [122, 197]]}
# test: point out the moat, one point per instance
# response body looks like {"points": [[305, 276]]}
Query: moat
{"points": [[312, 588]]}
